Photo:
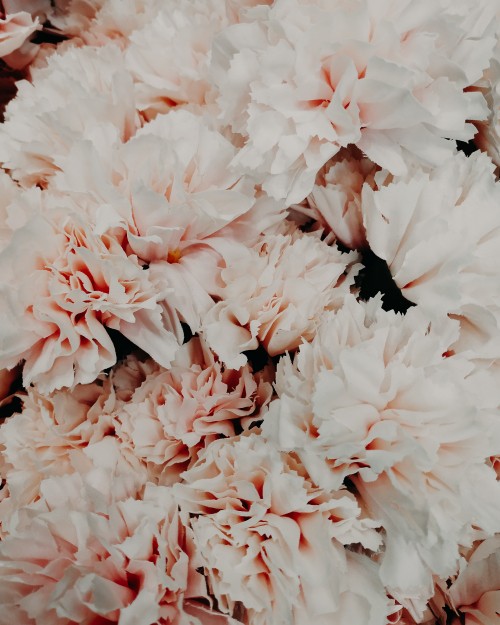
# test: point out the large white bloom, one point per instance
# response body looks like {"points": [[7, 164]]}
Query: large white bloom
{"points": [[302, 79], [439, 232], [375, 397], [272, 543], [169, 57], [82, 93]]}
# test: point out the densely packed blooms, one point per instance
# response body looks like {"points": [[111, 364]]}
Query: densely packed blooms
{"points": [[250, 312]]}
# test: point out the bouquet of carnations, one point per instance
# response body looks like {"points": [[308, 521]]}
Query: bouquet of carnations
{"points": [[250, 312]]}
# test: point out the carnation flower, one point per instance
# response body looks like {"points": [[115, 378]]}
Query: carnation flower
{"points": [[175, 413], [275, 294], [125, 563], [375, 397], [271, 543], [61, 434], [61, 287], [183, 31], [81, 94], [439, 232], [302, 79], [183, 211], [476, 591]]}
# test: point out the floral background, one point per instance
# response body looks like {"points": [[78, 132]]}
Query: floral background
{"points": [[250, 312]]}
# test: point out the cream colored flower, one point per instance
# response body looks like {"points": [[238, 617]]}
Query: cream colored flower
{"points": [[275, 294]]}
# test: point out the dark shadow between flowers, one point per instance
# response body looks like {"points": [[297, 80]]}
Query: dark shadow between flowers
{"points": [[374, 278]]}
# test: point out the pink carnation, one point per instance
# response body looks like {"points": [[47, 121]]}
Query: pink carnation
{"points": [[275, 294], [183, 30], [62, 286], [182, 209], [61, 434], [304, 78], [374, 397], [175, 413], [335, 201], [127, 562], [271, 543]]}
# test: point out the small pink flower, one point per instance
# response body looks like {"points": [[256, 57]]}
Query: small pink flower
{"points": [[61, 434], [175, 413], [335, 201]]}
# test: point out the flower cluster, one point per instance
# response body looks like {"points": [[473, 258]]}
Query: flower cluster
{"points": [[250, 312]]}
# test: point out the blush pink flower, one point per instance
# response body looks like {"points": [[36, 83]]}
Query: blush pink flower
{"points": [[127, 562], [182, 209], [302, 79], [62, 286], [82, 93], [439, 232], [271, 543], [375, 397], [275, 294], [175, 413], [61, 434], [183, 30]]}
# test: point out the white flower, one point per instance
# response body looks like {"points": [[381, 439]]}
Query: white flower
{"points": [[303, 79], [375, 397], [169, 57], [439, 232], [82, 93]]}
